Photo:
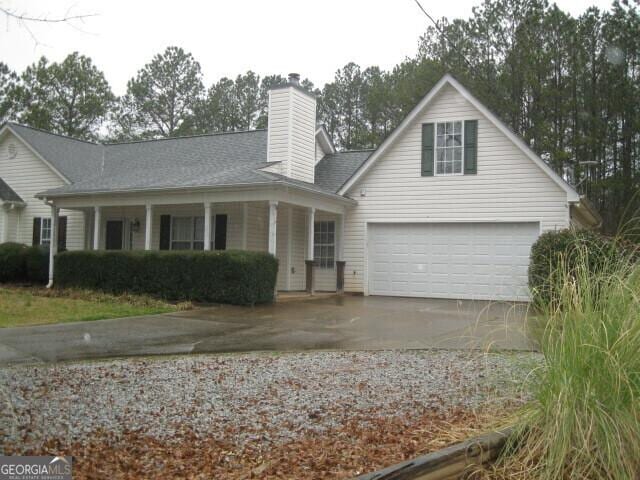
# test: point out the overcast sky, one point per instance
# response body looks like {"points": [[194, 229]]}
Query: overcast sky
{"points": [[232, 36]]}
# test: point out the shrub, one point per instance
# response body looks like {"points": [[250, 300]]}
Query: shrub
{"points": [[236, 277], [12, 262], [573, 248], [37, 264], [584, 419]]}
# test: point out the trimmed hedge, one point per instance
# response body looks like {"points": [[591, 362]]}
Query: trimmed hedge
{"points": [[19, 263], [236, 277], [12, 262], [37, 264], [566, 246]]}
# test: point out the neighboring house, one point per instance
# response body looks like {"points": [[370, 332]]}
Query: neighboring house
{"points": [[447, 206]]}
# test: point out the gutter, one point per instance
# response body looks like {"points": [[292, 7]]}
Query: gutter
{"points": [[232, 186], [13, 203]]}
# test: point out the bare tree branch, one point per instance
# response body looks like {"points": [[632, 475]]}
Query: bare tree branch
{"points": [[26, 18], [25, 21]]}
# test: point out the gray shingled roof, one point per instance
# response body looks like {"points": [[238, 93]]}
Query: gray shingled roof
{"points": [[205, 160], [198, 161], [7, 194], [75, 159], [333, 171]]}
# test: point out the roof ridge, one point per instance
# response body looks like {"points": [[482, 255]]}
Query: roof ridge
{"points": [[53, 133], [212, 134]]}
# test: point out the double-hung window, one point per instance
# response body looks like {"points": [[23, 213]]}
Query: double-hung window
{"points": [[182, 233], [187, 233], [45, 231], [324, 243], [449, 142]]}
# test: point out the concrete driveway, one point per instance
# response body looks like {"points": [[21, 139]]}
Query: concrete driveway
{"points": [[348, 322]]}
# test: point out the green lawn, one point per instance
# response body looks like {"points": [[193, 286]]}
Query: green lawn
{"points": [[38, 306]]}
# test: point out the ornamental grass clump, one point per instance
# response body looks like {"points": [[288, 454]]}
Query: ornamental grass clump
{"points": [[584, 420]]}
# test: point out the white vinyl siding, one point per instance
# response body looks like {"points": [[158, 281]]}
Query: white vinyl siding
{"points": [[290, 247], [291, 133], [508, 186], [9, 225], [27, 175]]}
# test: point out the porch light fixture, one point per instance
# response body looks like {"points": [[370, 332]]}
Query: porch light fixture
{"points": [[135, 226]]}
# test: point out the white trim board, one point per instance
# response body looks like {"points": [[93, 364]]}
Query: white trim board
{"points": [[448, 79], [323, 136]]}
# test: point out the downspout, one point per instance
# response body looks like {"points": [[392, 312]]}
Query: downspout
{"points": [[53, 243]]}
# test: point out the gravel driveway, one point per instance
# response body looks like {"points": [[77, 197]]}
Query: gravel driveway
{"points": [[272, 398]]}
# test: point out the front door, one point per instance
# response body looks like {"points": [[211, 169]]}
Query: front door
{"points": [[114, 235]]}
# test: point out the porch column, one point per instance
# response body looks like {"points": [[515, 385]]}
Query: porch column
{"points": [[207, 226], [311, 218], [86, 241], [53, 243], [340, 254], [273, 221], [148, 227], [245, 223], [96, 227]]}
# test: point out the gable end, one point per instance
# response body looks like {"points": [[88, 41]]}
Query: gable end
{"points": [[572, 195], [6, 129]]}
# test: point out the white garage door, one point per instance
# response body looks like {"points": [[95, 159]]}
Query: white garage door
{"points": [[450, 260]]}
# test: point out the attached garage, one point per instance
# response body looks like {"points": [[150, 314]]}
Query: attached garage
{"points": [[485, 261]]}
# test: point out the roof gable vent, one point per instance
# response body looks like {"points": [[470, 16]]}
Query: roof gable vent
{"points": [[12, 150]]}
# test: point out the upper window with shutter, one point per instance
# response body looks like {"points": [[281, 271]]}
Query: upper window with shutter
{"points": [[450, 148]]}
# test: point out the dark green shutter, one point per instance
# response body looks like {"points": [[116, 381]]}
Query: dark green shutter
{"points": [[165, 232], [470, 147], [220, 240], [427, 149], [62, 234], [35, 239]]}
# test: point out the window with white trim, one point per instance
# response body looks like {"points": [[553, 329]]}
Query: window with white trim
{"points": [[182, 233], [45, 231], [324, 243], [187, 233], [449, 153]]}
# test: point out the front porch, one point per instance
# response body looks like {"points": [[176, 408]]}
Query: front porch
{"points": [[307, 241]]}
